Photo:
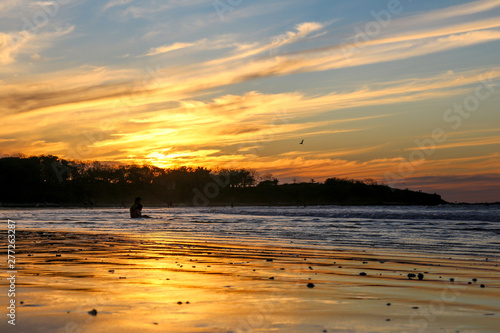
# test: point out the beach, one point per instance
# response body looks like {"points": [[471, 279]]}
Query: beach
{"points": [[110, 282]]}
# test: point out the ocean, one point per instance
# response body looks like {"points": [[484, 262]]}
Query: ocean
{"points": [[471, 230]]}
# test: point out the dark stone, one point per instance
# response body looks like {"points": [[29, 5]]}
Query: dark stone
{"points": [[310, 285], [93, 312]]}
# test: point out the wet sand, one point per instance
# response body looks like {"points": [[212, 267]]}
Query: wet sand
{"points": [[136, 285]]}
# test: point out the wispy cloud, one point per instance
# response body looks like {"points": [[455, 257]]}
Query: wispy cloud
{"points": [[115, 3], [167, 48], [24, 42]]}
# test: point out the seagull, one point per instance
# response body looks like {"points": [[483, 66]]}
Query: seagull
{"points": [[301, 142]]}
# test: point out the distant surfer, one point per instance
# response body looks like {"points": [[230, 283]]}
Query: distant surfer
{"points": [[136, 209]]}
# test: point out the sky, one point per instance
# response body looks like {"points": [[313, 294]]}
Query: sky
{"points": [[403, 92]]}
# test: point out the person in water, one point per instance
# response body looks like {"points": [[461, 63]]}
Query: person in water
{"points": [[136, 209]]}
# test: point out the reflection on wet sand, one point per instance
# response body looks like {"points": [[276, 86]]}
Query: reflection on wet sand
{"points": [[139, 285]]}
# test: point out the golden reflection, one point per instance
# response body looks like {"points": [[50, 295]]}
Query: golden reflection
{"points": [[152, 285]]}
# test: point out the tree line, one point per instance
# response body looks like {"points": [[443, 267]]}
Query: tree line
{"points": [[48, 179]]}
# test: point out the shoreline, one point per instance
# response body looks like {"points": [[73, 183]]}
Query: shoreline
{"points": [[135, 284], [7, 206]]}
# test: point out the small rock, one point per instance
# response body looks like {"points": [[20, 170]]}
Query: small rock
{"points": [[269, 259], [411, 275], [388, 304], [271, 278], [482, 286], [179, 302], [474, 279], [362, 274], [452, 280], [310, 285], [420, 276], [310, 267], [93, 312]]}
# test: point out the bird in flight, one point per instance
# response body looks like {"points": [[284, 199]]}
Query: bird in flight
{"points": [[301, 142]]}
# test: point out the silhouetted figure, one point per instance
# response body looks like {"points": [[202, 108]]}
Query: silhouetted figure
{"points": [[301, 142], [136, 209]]}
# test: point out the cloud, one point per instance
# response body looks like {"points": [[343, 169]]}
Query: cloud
{"points": [[457, 11], [115, 3], [148, 10], [24, 42], [465, 142], [460, 187], [302, 31], [168, 48]]}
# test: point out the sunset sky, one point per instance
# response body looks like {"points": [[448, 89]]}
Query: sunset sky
{"points": [[405, 92]]}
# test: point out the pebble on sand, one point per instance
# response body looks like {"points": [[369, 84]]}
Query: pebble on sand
{"points": [[93, 312], [482, 286], [420, 276], [310, 285], [411, 275], [362, 274], [452, 280]]}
